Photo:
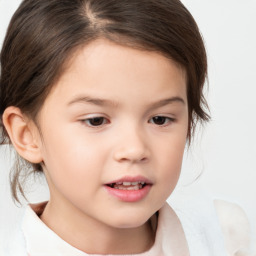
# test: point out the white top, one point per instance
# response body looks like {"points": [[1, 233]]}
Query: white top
{"points": [[42, 241], [201, 229]]}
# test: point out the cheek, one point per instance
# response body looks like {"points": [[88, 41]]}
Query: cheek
{"points": [[171, 167], [71, 169], [70, 158], [167, 172], [170, 160]]}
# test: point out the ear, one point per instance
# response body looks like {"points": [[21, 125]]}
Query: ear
{"points": [[23, 133]]}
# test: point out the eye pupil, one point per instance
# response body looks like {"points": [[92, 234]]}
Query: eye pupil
{"points": [[96, 121], [159, 120]]}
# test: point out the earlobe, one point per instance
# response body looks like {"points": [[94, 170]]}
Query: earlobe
{"points": [[23, 134]]}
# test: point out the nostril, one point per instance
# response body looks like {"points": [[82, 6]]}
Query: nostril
{"points": [[144, 159], [133, 159]]}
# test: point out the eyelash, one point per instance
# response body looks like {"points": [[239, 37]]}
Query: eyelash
{"points": [[100, 121], [165, 119]]}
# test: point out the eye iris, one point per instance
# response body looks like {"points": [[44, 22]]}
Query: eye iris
{"points": [[159, 120], [96, 121]]}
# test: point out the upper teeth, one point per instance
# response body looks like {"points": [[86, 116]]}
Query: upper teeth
{"points": [[126, 183]]}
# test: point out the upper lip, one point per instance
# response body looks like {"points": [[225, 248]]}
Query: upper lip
{"points": [[131, 179]]}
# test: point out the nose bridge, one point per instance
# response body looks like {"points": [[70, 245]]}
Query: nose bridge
{"points": [[132, 144]]}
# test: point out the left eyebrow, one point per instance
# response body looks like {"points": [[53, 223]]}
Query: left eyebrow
{"points": [[167, 101]]}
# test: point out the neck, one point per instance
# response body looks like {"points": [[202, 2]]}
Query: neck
{"points": [[93, 237]]}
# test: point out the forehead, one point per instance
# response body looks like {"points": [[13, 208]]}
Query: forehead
{"points": [[106, 68]]}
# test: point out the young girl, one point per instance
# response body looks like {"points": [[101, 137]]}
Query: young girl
{"points": [[102, 97]]}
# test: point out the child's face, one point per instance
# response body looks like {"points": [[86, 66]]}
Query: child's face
{"points": [[116, 115]]}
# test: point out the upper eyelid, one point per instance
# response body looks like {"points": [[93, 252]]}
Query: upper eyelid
{"points": [[86, 120], [107, 121], [172, 119], [170, 116], [91, 116]]}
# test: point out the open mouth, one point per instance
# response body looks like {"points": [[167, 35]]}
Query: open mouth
{"points": [[136, 185], [129, 189]]}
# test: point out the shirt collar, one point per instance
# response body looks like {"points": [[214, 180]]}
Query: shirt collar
{"points": [[42, 241]]}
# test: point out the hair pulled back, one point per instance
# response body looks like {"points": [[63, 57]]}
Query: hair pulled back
{"points": [[43, 35]]}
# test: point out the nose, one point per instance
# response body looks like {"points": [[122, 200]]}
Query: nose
{"points": [[132, 146]]}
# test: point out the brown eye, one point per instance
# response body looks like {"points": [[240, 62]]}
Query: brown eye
{"points": [[160, 120], [95, 121]]}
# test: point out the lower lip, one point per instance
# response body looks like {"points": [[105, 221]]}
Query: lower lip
{"points": [[129, 195]]}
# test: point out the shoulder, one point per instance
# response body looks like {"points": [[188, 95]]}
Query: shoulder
{"points": [[235, 227]]}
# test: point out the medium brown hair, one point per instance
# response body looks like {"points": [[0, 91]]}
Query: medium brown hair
{"points": [[43, 35]]}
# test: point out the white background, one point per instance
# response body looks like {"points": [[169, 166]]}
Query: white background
{"points": [[227, 151], [224, 152]]}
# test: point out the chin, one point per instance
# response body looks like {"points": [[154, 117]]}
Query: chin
{"points": [[128, 220]]}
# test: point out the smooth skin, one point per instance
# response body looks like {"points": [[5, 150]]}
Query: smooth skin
{"points": [[115, 112]]}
